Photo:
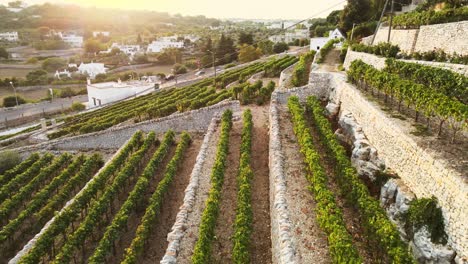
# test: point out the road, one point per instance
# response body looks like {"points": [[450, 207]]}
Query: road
{"points": [[36, 109]]}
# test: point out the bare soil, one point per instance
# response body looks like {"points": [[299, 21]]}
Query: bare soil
{"points": [[170, 207], [311, 241], [261, 235], [222, 245]]}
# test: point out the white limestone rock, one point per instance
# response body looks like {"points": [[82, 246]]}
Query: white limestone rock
{"points": [[429, 253]]}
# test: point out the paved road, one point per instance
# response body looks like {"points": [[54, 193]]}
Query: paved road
{"points": [[35, 109]]}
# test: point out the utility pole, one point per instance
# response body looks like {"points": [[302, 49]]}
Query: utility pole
{"points": [[14, 89], [391, 21], [352, 32], [378, 24]]}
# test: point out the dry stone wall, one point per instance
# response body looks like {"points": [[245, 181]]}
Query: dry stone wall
{"points": [[450, 37], [282, 237], [419, 169], [113, 138], [379, 62]]}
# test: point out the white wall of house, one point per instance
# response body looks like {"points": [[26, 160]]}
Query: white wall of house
{"points": [[10, 36], [91, 69], [158, 45], [104, 93], [317, 43]]}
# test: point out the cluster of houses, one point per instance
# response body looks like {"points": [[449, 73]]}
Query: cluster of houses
{"points": [[9, 36], [89, 69], [290, 36]]}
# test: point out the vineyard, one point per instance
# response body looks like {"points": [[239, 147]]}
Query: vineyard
{"points": [[271, 176]]}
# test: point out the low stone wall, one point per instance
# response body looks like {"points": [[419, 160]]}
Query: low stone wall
{"points": [[405, 38], [285, 77], [178, 229], [379, 62], [282, 237], [418, 168], [113, 138]]}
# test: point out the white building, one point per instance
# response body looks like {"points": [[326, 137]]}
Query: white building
{"points": [[91, 69], [129, 50], [290, 36], [164, 43], [318, 43], [10, 36], [61, 74], [102, 33], [72, 39], [108, 92]]}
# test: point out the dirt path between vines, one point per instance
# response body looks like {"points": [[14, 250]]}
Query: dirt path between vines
{"points": [[170, 206], [311, 241], [221, 251], [261, 235]]}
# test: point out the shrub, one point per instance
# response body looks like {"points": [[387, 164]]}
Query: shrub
{"points": [[425, 212], [10, 101], [8, 160], [179, 69], [280, 47], [76, 106], [382, 49]]}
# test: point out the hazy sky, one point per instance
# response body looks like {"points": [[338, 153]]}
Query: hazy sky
{"points": [[297, 9]]}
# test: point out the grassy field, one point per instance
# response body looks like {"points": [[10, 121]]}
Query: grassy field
{"points": [[166, 69], [18, 73], [30, 95]]}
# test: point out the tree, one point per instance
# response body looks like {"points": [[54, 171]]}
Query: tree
{"points": [[334, 17], [53, 64], [139, 40], [3, 53], [140, 59], [77, 106], [37, 77], [225, 51], [100, 77], [356, 11], [245, 38], [280, 47], [8, 160], [249, 53], [92, 46], [15, 4], [179, 69], [10, 101], [266, 46]]}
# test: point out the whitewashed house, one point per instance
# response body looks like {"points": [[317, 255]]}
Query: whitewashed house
{"points": [[91, 69], [102, 33], [9, 36], [72, 39], [164, 43], [108, 92], [129, 50], [290, 36], [61, 74], [318, 43]]}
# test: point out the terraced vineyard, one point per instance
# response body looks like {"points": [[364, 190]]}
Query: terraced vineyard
{"points": [[166, 102], [34, 190]]}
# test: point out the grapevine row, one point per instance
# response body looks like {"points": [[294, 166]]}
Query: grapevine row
{"points": [[19, 198], [10, 174], [329, 215], [100, 207], [45, 196], [202, 249], [46, 241], [12, 186], [117, 227], [244, 214], [380, 229], [151, 214]]}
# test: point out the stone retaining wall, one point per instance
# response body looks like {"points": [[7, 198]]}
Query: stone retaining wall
{"points": [[450, 37], [178, 229], [379, 62], [418, 168], [113, 138], [285, 77], [282, 237]]}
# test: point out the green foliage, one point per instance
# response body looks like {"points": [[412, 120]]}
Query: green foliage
{"points": [[179, 69], [3, 53], [245, 38], [380, 230], [326, 49], [244, 215], [10, 101], [93, 46], [77, 106], [37, 77], [425, 212], [202, 250], [280, 47], [53, 64], [82, 200], [300, 75], [8, 160], [438, 55], [382, 49], [51, 44], [355, 11], [329, 214], [248, 53], [416, 18]]}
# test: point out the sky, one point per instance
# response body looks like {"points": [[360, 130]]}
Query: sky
{"points": [[252, 9]]}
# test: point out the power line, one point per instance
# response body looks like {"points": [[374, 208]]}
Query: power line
{"points": [[284, 29]]}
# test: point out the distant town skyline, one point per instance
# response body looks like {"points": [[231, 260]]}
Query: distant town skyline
{"points": [[223, 9]]}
